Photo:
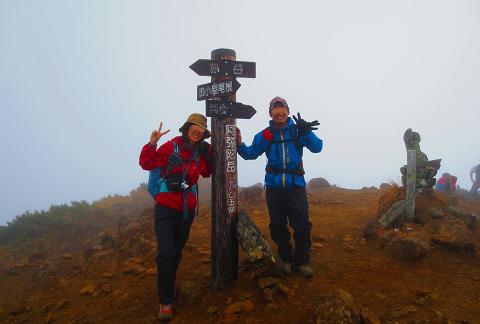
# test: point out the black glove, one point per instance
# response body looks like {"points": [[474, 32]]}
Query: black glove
{"points": [[304, 126]]}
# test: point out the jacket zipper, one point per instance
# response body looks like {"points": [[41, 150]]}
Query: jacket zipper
{"points": [[283, 157]]}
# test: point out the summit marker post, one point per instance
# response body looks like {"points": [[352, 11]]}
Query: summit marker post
{"points": [[220, 96]]}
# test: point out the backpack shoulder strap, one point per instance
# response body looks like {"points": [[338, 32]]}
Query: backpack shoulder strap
{"points": [[268, 135], [175, 159], [295, 139]]}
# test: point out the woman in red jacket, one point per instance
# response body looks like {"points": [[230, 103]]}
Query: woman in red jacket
{"points": [[180, 162]]}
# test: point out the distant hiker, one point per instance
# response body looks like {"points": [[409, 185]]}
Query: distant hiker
{"points": [[446, 184], [174, 170], [475, 180], [283, 142]]}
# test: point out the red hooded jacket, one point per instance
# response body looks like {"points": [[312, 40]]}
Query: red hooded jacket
{"points": [[151, 158]]}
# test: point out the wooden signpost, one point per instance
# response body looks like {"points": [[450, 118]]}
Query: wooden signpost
{"points": [[229, 109], [224, 88], [221, 106]]}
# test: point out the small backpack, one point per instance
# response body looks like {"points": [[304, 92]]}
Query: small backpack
{"points": [[173, 182], [293, 138]]}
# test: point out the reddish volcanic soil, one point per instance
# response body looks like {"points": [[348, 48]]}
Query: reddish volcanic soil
{"points": [[109, 277]]}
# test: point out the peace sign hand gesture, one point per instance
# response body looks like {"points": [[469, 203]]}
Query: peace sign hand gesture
{"points": [[157, 134]]}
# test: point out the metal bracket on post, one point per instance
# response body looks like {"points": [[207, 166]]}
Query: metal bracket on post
{"points": [[411, 180]]}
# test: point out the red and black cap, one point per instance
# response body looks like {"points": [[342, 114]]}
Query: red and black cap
{"points": [[278, 100]]}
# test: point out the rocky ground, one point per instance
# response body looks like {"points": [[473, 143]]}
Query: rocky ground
{"points": [[104, 272]]}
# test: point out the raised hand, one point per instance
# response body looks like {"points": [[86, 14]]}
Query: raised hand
{"points": [[304, 126], [157, 134], [239, 136]]}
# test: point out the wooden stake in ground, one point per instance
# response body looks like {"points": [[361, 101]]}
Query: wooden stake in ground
{"points": [[410, 188], [220, 96], [224, 190]]}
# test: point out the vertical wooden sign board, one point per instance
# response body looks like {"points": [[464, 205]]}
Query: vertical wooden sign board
{"points": [[224, 188], [221, 106]]}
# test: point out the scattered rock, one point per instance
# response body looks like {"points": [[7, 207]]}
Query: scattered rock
{"points": [[405, 247], [372, 230], [63, 282], [266, 282], [438, 313], [283, 290], [17, 309], [106, 288], [268, 294], [453, 233], [348, 238], [368, 317], [66, 256], [437, 213], [472, 220], [107, 275], [380, 296], [420, 301], [456, 212], [252, 195], [403, 311], [133, 268], [107, 240], [393, 214], [243, 306], [61, 304], [337, 307], [317, 245], [212, 310], [272, 306], [189, 292], [349, 247], [87, 290], [384, 186], [151, 271]]}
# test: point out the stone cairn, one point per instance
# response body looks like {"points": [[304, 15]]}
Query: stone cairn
{"points": [[425, 170]]}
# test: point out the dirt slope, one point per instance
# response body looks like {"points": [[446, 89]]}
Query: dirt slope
{"points": [[107, 274]]}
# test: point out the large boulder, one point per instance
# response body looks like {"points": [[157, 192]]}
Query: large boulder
{"points": [[404, 247], [393, 215], [318, 183], [337, 307], [252, 195], [453, 233]]}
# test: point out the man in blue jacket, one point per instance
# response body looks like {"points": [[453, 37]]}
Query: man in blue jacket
{"points": [[283, 143]]}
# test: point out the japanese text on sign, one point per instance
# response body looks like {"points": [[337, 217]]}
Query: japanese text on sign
{"points": [[231, 164], [214, 89]]}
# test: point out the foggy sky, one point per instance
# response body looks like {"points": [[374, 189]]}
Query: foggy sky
{"points": [[83, 83]]}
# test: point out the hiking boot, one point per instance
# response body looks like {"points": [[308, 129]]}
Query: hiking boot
{"points": [[165, 312], [287, 268], [305, 271]]}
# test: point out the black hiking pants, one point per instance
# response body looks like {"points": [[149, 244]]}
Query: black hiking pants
{"points": [[172, 233], [290, 206]]}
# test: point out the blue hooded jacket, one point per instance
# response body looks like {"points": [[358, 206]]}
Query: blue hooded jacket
{"points": [[283, 154]]}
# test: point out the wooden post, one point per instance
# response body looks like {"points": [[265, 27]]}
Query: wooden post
{"points": [[224, 245], [411, 180]]}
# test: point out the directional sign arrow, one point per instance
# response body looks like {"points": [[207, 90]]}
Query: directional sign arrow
{"points": [[217, 89], [236, 69], [229, 109]]}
